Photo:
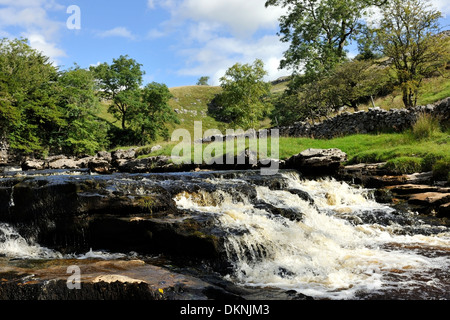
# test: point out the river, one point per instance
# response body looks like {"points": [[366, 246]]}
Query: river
{"points": [[332, 242]]}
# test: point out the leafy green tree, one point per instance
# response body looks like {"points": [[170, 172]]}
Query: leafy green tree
{"points": [[29, 112], [150, 118], [241, 101], [353, 83], [348, 85], [119, 83], [318, 32], [84, 132], [408, 35], [203, 81]]}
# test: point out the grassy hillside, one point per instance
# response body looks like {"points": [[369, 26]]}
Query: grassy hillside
{"points": [[191, 104]]}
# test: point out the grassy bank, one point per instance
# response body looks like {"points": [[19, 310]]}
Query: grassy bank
{"points": [[402, 152]]}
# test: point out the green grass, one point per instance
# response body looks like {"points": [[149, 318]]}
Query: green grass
{"points": [[401, 151]]}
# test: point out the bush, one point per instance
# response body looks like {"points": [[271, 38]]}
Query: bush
{"points": [[426, 127]]}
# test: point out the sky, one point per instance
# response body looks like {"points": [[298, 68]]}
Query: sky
{"points": [[176, 41]]}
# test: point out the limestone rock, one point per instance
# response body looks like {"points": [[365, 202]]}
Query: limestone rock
{"points": [[143, 165], [317, 161], [123, 154], [430, 198], [33, 164], [68, 163]]}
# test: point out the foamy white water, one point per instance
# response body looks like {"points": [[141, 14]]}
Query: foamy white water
{"points": [[13, 245], [323, 255]]}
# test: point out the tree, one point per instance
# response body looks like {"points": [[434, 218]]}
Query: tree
{"points": [[241, 101], [408, 34], [84, 132], [348, 85], [354, 82], [119, 83], [150, 118], [29, 113], [203, 81], [318, 32]]}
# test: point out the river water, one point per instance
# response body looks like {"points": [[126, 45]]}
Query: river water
{"points": [[347, 246], [342, 245]]}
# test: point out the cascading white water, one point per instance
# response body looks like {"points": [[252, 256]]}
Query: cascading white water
{"points": [[323, 255], [13, 245]]}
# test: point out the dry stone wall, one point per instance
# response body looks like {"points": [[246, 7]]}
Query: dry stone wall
{"points": [[371, 121]]}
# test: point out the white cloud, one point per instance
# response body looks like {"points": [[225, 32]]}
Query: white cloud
{"points": [[241, 18], [49, 49], [117, 32], [31, 19], [155, 34], [219, 54], [151, 4], [442, 5], [214, 35]]}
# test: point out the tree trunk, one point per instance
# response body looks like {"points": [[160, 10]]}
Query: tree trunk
{"points": [[123, 121]]}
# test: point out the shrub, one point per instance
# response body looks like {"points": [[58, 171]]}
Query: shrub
{"points": [[426, 127]]}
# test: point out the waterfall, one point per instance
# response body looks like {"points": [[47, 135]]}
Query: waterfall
{"points": [[13, 245], [344, 244]]}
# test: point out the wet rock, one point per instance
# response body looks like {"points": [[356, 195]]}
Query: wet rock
{"points": [[430, 198], [288, 213], [100, 166], [100, 280]]}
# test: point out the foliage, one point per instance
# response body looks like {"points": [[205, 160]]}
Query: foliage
{"points": [[151, 116], [28, 105], [354, 82], [318, 32], [241, 101], [203, 81], [348, 85], [119, 83], [408, 34], [83, 133]]}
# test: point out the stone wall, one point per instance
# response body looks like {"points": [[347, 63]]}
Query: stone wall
{"points": [[371, 121]]}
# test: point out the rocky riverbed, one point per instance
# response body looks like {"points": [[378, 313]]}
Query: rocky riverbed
{"points": [[191, 235]]}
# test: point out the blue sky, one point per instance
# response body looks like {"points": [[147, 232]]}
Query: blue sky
{"points": [[176, 41]]}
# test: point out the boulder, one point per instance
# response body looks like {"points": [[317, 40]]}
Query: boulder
{"points": [[123, 154], [104, 155], [101, 166], [143, 165], [68, 163], [317, 161], [33, 164]]}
